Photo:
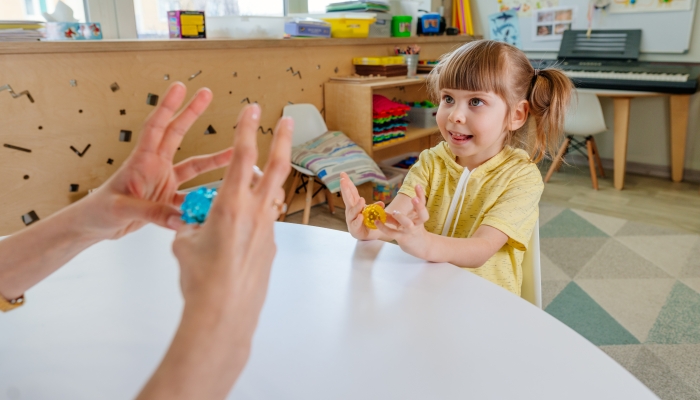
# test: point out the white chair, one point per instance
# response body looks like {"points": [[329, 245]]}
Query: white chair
{"points": [[308, 124], [532, 272], [585, 118]]}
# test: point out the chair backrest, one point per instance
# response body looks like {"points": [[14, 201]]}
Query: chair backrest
{"points": [[532, 273], [308, 122], [585, 115]]}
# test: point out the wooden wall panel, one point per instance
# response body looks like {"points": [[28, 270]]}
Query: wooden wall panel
{"points": [[89, 112]]}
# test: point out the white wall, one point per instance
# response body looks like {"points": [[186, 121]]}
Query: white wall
{"points": [[649, 132]]}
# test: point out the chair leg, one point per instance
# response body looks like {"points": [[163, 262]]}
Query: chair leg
{"points": [[329, 200], [557, 159], [296, 176], [591, 163], [309, 197], [597, 158]]}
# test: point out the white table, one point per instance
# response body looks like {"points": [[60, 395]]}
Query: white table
{"points": [[343, 320]]}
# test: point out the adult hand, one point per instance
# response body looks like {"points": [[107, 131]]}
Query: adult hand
{"points": [[354, 204], [144, 189], [224, 271], [409, 229], [234, 248]]}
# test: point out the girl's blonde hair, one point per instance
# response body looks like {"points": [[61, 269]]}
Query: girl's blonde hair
{"points": [[490, 66]]}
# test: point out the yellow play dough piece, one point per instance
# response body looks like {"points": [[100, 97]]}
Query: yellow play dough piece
{"points": [[372, 213]]}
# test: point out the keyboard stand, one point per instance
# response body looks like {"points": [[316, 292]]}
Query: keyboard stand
{"points": [[678, 110]]}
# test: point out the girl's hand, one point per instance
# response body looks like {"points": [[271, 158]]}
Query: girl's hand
{"points": [[409, 231], [144, 189], [354, 204]]}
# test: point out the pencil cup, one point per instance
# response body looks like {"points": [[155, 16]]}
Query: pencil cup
{"points": [[412, 64]]}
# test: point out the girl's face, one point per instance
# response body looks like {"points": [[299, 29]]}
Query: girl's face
{"points": [[472, 123]]}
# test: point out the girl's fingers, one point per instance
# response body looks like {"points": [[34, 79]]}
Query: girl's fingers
{"points": [[354, 195], [239, 174], [346, 191], [194, 166], [157, 122], [419, 205], [388, 231], [183, 121], [403, 220]]}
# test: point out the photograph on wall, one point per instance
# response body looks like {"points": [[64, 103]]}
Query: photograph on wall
{"points": [[550, 23], [504, 27]]}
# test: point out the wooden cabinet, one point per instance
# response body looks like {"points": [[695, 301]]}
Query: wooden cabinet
{"points": [[348, 108]]}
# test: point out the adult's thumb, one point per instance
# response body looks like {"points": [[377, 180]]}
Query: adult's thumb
{"points": [[160, 214]]}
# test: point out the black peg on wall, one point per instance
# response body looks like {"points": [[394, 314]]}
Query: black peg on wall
{"points": [[30, 218], [152, 99], [124, 136]]}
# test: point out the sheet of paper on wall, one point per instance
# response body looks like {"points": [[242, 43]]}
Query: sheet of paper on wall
{"points": [[524, 8], [550, 23], [504, 27], [650, 6]]}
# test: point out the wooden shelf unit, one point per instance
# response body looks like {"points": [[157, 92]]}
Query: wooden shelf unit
{"points": [[348, 108]]}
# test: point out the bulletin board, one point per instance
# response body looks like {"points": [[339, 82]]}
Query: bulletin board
{"points": [[662, 31]]}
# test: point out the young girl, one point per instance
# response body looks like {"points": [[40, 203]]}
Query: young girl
{"points": [[472, 200]]}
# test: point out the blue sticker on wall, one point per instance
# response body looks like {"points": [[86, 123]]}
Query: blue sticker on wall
{"points": [[504, 27]]}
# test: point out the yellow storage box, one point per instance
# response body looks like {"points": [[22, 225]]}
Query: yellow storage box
{"points": [[349, 25], [378, 60]]}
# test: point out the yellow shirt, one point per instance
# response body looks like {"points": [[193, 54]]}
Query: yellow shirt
{"points": [[503, 193]]}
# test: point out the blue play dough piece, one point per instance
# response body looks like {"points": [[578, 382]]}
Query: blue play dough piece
{"points": [[197, 204]]}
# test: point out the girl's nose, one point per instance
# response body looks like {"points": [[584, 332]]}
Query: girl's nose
{"points": [[456, 117]]}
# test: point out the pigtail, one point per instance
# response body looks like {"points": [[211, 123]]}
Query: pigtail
{"points": [[549, 98]]}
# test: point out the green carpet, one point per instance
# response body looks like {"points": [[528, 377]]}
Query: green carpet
{"points": [[631, 288]]}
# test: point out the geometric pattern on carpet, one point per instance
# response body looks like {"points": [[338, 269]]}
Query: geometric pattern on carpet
{"points": [[631, 288]]}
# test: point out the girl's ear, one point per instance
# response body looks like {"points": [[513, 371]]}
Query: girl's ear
{"points": [[519, 115]]}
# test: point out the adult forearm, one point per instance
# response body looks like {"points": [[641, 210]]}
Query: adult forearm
{"points": [[463, 252], [208, 353], [35, 252]]}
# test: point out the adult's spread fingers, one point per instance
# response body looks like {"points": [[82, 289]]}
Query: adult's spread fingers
{"points": [[239, 174]]}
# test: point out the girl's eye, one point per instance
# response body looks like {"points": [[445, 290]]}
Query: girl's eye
{"points": [[448, 99], [475, 102]]}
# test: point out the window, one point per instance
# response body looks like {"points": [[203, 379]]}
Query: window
{"points": [[319, 6], [151, 15], [33, 9]]}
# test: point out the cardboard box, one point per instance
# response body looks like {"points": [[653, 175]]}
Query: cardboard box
{"points": [[186, 25]]}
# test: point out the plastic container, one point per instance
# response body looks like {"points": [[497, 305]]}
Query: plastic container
{"points": [[382, 26], [349, 25], [245, 27], [307, 27], [429, 24], [421, 117], [401, 26], [411, 64], [387, 193]]}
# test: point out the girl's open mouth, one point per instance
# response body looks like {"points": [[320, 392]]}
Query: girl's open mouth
{"points": [[459, 138]]}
